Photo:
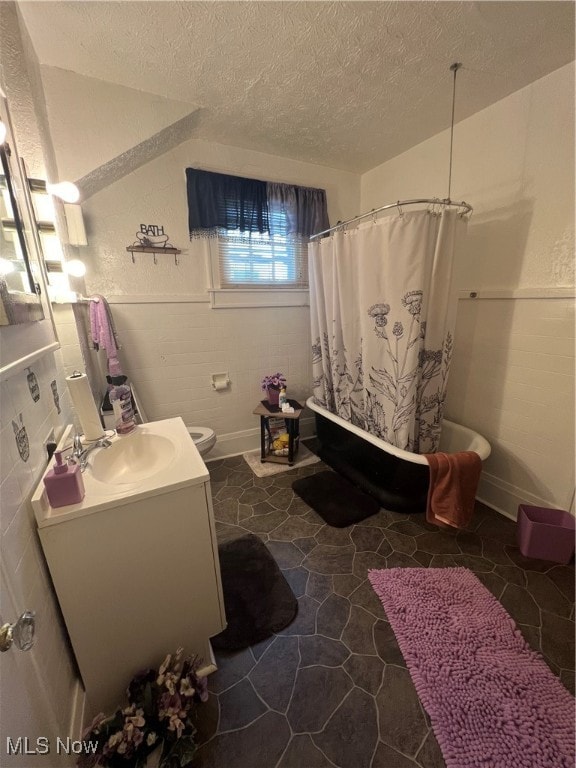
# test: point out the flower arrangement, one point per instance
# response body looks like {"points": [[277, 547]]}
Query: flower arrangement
{"points": [[161, 710], [274, 381]]}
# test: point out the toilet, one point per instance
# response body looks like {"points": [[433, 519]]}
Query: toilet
{"points": [[204, 438]]}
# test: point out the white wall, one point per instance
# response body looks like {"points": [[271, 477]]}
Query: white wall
{"points": [[156, 194], [39, 688], [92, 143], [172, 340], [48, 667], [512, 374]]}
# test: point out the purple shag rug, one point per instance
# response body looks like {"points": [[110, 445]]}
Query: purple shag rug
{"points": [[492, 700]]}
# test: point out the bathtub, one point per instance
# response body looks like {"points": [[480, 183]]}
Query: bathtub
{"points": [[398, 479]]}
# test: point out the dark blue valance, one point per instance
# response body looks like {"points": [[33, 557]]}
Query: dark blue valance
{"points": [[218, 201]]}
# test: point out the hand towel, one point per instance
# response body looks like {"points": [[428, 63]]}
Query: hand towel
{"points": [[103, 332], [453, 484]]}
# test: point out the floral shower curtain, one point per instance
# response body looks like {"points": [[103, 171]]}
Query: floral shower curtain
{"points": [[382, 321]]}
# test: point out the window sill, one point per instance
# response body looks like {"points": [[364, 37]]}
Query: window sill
{"points": [[237, 298]]}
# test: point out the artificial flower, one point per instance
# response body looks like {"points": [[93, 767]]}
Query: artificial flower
{"points": [[160, 708], [274, 381]]}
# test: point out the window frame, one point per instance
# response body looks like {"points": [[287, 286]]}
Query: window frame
{"points": [[226, 293]]}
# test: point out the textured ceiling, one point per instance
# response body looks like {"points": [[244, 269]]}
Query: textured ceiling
{"points": [[344, 84]]}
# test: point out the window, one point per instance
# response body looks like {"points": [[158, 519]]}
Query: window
{"points": [[257, 233], [263, 260]]}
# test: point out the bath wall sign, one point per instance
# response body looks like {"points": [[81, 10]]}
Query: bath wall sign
{"points": [[151, 238], [33, 385], [152, 234], [21, 436]]}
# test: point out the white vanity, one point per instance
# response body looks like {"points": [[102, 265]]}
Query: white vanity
{"points": [[135, 563]]}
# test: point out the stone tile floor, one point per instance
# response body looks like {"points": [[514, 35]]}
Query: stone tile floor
{"points": [[332, 689]]}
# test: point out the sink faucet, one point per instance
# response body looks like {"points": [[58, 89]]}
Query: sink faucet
{"points": [[80, 453]]}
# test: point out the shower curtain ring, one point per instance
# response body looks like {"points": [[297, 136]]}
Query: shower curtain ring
{"points": [[400, 211], [373, 216]]}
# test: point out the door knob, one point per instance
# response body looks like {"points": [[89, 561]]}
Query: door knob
{"points": [[21, 633]]}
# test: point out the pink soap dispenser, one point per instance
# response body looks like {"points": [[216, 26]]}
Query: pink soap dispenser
{"points": [[64, 483]]}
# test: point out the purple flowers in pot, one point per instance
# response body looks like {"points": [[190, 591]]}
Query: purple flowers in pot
{"points": [[274, 381]]}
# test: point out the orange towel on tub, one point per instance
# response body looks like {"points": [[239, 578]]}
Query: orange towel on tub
{"points": [[453, 484]]}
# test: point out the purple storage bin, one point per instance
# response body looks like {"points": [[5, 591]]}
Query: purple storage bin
{"points": [[546, 534]]}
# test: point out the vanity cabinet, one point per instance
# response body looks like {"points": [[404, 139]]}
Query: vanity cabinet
{"points": [[136, 579]]}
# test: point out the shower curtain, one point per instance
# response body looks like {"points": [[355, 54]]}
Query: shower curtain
{"points": [[382, 319]]}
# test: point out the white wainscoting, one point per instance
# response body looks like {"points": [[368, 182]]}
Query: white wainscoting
{"points": [[512, 380]]}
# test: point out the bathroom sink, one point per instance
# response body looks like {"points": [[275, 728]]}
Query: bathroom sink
{"points": [[132, 458], [157, 458]]}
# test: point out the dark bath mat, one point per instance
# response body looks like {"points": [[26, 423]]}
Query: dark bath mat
{"points": [[257, 598], [337, 502]]}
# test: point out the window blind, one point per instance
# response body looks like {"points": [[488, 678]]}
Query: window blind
{"points": [[262, 259]]}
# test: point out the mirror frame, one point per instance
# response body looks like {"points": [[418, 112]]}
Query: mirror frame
{"points": [[18, 306]]}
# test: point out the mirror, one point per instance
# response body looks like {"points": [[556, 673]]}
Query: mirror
{"points": [[19, 291]]}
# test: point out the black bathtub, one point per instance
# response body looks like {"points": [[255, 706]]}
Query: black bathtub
{"points": [[398, 479]]}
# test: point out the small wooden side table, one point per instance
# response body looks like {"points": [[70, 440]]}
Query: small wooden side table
{"points": [[292, 422]]}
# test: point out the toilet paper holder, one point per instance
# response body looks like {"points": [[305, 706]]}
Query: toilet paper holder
{"points": [[220, 381]]}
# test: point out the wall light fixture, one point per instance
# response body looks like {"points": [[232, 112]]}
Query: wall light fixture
{"points": [[65, 190], [75, 268]]}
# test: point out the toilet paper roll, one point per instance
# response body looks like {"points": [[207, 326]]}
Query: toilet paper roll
{"points": [[220, 381], [85, 406]]}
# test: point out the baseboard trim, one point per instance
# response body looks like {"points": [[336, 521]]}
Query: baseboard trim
{"points": [[235, 443], [210, 666], [78, 712], [489, 503], [505, 497]]}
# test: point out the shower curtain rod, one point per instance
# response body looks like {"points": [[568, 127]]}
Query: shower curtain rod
{"points": [[399, 204]]}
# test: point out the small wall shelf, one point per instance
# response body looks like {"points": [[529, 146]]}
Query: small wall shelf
{"points": [[151, 249]]}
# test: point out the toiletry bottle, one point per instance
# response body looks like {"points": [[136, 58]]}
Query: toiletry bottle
{"points": [[282, 400], [64, 483], [121, 399]]}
